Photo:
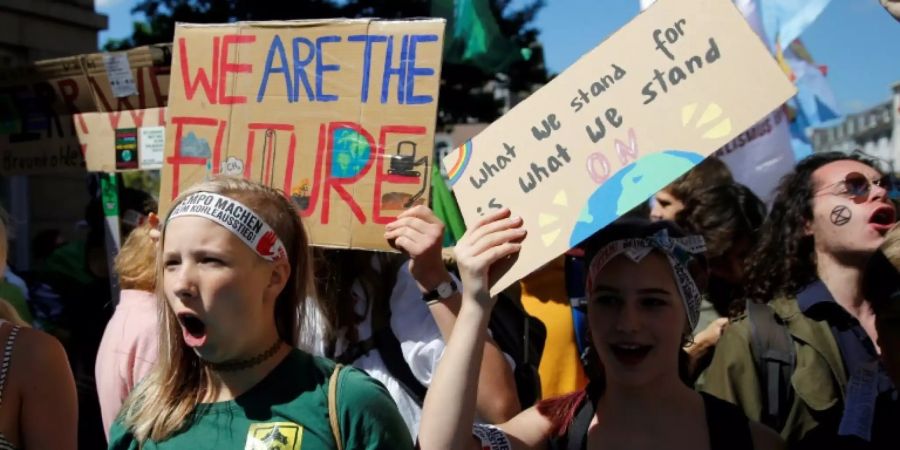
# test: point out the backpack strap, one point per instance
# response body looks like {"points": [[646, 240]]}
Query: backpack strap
{"points": [[332, 407], [392, 354], [576, 434], [385, 341], [775, 359]]}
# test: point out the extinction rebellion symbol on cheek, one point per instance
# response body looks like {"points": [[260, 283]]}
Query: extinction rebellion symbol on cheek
{"points": [[841, 215]]}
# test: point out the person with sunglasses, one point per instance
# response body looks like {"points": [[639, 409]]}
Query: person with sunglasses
{"points": [[799, 359]]}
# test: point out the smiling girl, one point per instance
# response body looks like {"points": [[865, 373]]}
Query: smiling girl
{"points": [[644, 283], [234, 274]]}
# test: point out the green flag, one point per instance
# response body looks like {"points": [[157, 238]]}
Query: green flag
{"points": [[444, 206], [473, 36]]}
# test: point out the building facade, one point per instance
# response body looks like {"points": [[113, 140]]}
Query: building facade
{"points": [[32, 30], [875, 131]]}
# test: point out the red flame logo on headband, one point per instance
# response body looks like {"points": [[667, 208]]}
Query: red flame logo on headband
{"points": [[265, 244]]}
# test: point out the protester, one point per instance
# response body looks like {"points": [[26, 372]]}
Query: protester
{"points": [[882, 291], [669, 201], [392, 314], [728, 217], [644, 287], [553, 294], [235, 269], [38, 406], [130, 343], [13, 292], [72, 299], [803, 364]]}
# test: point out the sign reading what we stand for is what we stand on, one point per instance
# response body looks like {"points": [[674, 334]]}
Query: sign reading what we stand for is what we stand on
{"points": [[668, 89], [339, 114]]}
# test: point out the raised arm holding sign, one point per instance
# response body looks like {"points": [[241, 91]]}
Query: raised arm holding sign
{"points": [[653, 100]]}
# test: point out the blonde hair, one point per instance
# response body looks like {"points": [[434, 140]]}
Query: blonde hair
{"points": [[136, 261], [160, 406]]}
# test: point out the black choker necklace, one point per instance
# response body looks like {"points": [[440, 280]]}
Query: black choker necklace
{"points": [[241, 364]]}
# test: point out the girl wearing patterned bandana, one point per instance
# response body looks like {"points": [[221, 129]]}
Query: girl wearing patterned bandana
{"points": [[234, 269], [643, 286]]}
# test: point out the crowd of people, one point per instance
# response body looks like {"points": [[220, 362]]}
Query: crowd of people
{"points": [[702, 319]]}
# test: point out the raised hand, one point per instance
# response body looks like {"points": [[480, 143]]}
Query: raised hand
{"points": [[494, 237], [418, 233]]}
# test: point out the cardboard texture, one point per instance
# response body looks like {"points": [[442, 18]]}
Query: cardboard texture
{"points": [[672, 86], [40, 104], [339, 114], [103, 153]]}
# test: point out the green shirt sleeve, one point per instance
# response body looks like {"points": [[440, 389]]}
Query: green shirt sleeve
{"points": [[731, 375], [120, 438], [369, 418]]}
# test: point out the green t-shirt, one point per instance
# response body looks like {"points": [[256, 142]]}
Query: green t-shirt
{"points": [[288, 410]]}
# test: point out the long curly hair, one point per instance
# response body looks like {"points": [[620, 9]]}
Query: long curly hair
{"points": [[783, 261]]}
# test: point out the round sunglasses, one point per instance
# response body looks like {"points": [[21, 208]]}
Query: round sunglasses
{"points": [[855, 185]]}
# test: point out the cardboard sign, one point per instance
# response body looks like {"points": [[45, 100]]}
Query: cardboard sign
{"points": [[675, 84], [40, 105], [119, 141], [338, 114]]}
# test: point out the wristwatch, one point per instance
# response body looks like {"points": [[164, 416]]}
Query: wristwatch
{"points": [[443, 291]]}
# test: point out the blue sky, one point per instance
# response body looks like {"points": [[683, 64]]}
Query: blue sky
{"points": [[856, 39]]}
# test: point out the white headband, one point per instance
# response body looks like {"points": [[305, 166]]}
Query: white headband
{"points": [[235, 217], [677, 250]]}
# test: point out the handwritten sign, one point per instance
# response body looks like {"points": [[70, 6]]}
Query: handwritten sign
{"points": [[40, 106], [122, 141], [338, 114], [671, 87]]}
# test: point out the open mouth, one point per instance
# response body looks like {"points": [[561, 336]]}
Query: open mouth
{"points": [[883, 218], [193, 328], [630, 354]]}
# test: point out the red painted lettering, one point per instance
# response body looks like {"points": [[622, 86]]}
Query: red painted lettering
{"points": [[208, 83], [317, 173], [68, 88], [227, 67], [176, 160], [271, 133], [336, 183], [381, 177]]}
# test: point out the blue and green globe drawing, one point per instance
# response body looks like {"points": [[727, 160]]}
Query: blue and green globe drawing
{"points": [[351, 153], [628, 187]]}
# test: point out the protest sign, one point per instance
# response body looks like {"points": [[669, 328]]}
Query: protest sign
{"points": [[40, 105], [761, 155], [339, 114], [672, 86], [119, 141]]}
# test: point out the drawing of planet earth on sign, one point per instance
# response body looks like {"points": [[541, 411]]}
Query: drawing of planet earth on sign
{"points": [[351, 153], [630, 186]]}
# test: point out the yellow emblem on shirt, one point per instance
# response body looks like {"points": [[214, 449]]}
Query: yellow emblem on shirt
{"points": [[274, 436]]}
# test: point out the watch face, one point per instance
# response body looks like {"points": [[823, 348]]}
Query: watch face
{"points": [[445, 290]]}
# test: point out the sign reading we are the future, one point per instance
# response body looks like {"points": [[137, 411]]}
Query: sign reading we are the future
{"points": [[339, 114], [672, 86]]}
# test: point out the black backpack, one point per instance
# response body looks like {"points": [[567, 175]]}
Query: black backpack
{"points": [[775, 359], [518, 334]]}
